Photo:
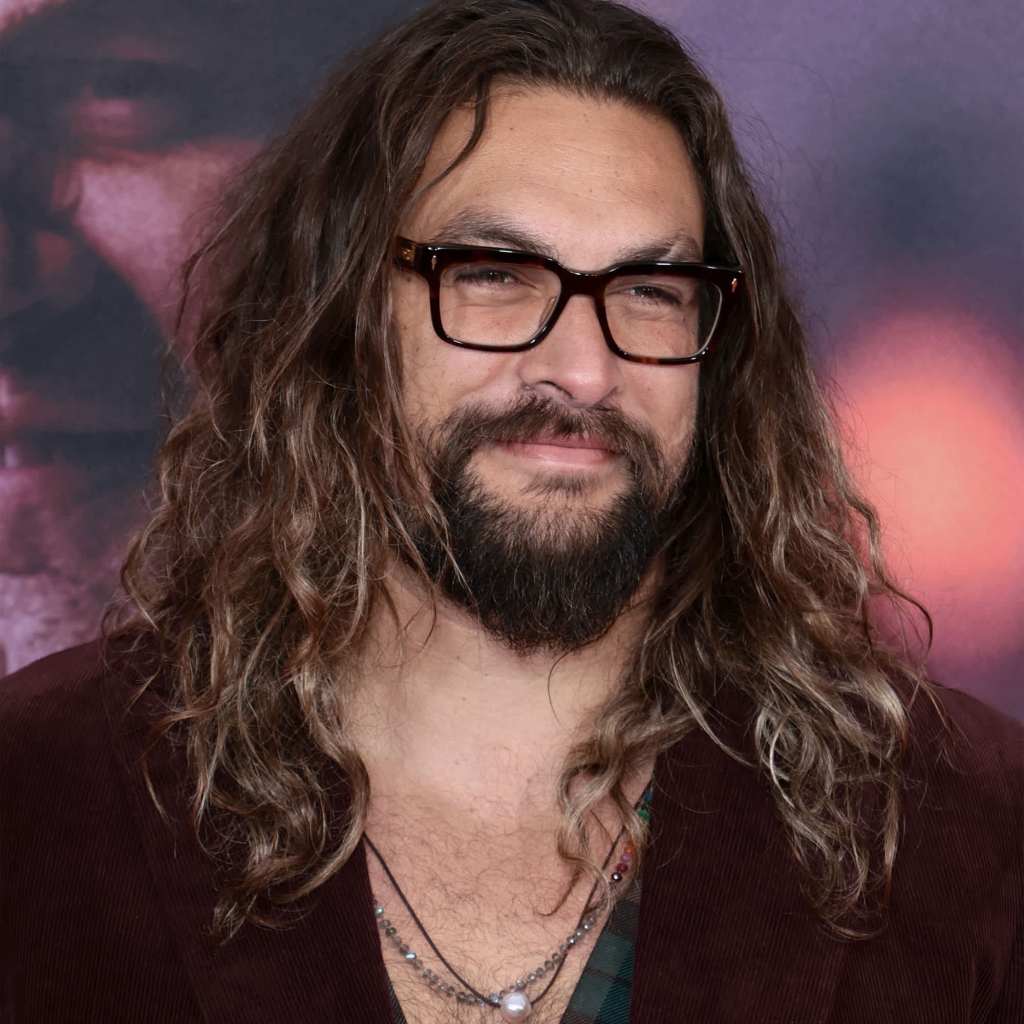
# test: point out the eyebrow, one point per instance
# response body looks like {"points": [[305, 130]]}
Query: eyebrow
{"points": [[474, 225], [75, 26], [93, 17]]}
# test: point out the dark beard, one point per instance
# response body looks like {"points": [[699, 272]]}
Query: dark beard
{"points": [[536, 581]]}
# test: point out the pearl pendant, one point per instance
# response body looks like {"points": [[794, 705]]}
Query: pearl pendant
{"points": [[516, 1006]]}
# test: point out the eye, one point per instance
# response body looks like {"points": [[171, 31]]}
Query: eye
{"points": [[658, 292], [484, 276], [654, 294], [130, 104]]}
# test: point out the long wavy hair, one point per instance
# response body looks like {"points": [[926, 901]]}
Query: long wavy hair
{"points": [[282, 485]]}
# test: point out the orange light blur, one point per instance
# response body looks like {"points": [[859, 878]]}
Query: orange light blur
{"points": [[936, 415]]}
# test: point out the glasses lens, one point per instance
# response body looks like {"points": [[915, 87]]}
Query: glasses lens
{"points": [[491, 302], [662, 316]]}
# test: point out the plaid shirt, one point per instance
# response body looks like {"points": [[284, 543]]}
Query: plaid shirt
{"points": [[602, 994]]}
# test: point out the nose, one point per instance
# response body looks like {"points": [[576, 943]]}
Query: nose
{"points": [[573, 362], [42, 261]]}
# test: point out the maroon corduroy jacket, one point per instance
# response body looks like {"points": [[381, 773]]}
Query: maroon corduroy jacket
{"points": [[105, 908]]}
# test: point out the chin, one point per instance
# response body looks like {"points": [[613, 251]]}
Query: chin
{"points": [[563, 487]]}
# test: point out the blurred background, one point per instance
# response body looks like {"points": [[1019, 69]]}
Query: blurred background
{"points": [[888, 145]]}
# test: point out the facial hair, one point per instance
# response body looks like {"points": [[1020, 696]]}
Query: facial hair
{"points": [[539, 579]]}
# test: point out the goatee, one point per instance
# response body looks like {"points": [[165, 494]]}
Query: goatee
{"points": [[537, 578]]}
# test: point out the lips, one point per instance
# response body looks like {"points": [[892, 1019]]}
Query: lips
{"points": [[588, 443], [22, 453], [575, 453], [45, 424], [86, 409], [89, 368], [91, 451]]}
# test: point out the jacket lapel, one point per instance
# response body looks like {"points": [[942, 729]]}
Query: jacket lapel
{"points": [[325, 965], [721, 904]]}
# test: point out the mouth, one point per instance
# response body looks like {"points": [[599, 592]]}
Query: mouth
{"points": [[88, 452], [52, 426], [569, 451]]}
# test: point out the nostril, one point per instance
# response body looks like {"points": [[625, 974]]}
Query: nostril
{"points": [[42, 266], [13, 150], [23, 325]]}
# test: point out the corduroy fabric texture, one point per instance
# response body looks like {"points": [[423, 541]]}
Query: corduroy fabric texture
{"points": [[105, 906]]}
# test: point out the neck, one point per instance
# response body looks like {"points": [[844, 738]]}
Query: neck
{"points": [[448, 715]]}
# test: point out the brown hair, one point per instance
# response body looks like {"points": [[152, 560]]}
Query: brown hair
{"points": [[281, 488]]}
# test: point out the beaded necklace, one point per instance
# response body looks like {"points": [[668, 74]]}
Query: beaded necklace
{"points": [[512, 1001]]}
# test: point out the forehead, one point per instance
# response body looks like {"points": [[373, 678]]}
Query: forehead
{"points": [[55, 28], [250, 32], [576, 169], [14, 11]]}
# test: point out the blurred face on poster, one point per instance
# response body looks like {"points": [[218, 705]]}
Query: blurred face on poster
{"points": [[119, 121]]}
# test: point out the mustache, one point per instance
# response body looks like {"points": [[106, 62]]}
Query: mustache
{"points": [[455, 439]]}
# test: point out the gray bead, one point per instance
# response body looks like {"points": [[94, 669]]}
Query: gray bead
{"points": [[616, 876], [532, 976], [571, 941], [548, 964], [378, 911], [409, 954], [389, 931], [384, 924]]}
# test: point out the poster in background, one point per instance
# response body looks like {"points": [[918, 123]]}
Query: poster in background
{"points": [[120, 121], [888, 144]]}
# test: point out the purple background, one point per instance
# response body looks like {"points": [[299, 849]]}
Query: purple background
{"points": [[888, 144]]}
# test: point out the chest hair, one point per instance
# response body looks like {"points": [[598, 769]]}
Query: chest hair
{"points": [[483, 893]]}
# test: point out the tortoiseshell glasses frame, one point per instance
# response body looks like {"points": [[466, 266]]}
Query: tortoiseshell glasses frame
{"points": [[431, 261]]}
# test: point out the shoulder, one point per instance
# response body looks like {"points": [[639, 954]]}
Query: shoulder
{"points": [[72, 727], [55, 712], [961, 736], [42, 703], [964, 801]]}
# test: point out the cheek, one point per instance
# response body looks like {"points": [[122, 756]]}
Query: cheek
{"points": [[142, 215], [440, 378], [669, 406], [421, 373], [436, 377]]}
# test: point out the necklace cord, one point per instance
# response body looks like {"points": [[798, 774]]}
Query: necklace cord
{"points": [[419, 924]]}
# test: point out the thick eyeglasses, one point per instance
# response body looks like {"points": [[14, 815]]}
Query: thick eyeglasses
{"points": [[504, 300]]}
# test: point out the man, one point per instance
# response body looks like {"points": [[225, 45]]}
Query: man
{"points": [[500, 648], [119, 120]]}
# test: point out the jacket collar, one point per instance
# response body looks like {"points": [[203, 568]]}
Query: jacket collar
{"points": [[325, 965], [720, 894], [722, 901]]}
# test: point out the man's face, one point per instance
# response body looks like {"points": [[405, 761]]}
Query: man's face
{"points": [[117, 123], [585, 181]]}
